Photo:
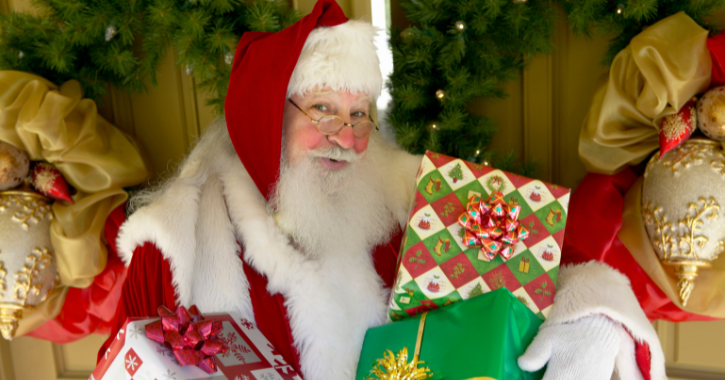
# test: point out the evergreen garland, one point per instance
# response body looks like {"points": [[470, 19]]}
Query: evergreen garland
{"points": [[455, 52], [627, 18], [121, 42], [440, 68]]}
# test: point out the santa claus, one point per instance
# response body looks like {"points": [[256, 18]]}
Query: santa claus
{"points": [[290, 213]]}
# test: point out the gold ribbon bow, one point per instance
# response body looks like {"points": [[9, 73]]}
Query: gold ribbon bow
{"points": [[661, 70], [390, 367]]}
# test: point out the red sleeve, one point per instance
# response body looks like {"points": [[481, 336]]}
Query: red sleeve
{"points": [[385, 257], [148, 285], [595, 218]]}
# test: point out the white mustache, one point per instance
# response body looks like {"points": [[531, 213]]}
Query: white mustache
{"points": [[336, 153]]}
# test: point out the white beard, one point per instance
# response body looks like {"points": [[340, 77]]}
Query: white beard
{"points": [[322, 210]]}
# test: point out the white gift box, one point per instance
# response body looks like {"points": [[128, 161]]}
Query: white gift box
{"points": [[250, 356]]}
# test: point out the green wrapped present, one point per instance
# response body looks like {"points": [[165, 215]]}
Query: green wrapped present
{"points": [[477, 339]]}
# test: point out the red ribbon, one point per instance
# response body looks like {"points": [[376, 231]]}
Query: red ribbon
{"points": [[191, 338], [493, 226]]}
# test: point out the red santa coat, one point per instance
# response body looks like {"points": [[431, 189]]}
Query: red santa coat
{"points": [[143, 293], [185, 248]]}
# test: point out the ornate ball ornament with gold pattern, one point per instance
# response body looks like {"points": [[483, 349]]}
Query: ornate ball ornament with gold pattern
{"points": [[711, 113], [27, 267], [14, 166], [683, 201]]}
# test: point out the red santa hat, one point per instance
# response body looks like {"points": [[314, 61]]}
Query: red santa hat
{"points": [[324, 48]]}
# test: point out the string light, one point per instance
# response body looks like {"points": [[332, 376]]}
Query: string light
{"points": [[110, 32]]}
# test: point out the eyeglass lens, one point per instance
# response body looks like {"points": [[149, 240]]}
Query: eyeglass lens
{"points": [[332, 125]]}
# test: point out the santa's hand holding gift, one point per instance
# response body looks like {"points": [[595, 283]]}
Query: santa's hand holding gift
{"points": [[289, 213]]}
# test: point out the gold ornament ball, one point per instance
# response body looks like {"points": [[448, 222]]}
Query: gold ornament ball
{"points": [[440, 94], [460, 26], [711, 114], [434, 126], [28, 271], [14, 166], [683, 200]]}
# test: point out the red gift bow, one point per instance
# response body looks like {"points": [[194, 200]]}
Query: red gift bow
{"points": [[191, 338], [493, 226]]}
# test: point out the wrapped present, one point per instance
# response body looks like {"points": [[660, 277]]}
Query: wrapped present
{"points": [[480, 338], [182, 345], [524, 265], [473, 229]]}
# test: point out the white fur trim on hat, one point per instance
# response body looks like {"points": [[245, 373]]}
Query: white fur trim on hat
{"points": [[342, 57]]}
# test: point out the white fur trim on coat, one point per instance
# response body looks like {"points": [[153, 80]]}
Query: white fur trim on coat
{"points": [[213, 204], [342, 57], [594, 288]]}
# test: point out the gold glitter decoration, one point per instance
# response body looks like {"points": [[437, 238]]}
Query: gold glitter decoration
{"points": [[684, 156], [681, 198], [391, 367], [34, 207], [692, 223], [9, 317], [28, 271], [14, 166], [711, 113], [675, 124], [717, 109], [25, 283], [681, 250], [3, 273], [663, 239], [718, 164]]}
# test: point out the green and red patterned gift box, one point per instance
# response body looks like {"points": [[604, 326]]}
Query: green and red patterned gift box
{"points": [[437, 267]]}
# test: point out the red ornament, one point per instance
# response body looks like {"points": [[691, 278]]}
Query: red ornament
{"points": [[192, 339], [48, 181], [678, 127]]}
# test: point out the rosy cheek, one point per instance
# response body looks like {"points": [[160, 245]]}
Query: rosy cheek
{"points": [[361, 145], [311, 138]]}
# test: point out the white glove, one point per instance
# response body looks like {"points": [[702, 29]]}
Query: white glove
{"points": [[590, 348]]}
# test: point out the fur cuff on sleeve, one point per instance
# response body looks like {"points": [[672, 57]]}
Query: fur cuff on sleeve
{"points": [[595, 288]]}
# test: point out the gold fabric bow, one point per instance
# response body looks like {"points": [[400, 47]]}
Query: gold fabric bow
{"points": [[57, 125], [661, 70]]}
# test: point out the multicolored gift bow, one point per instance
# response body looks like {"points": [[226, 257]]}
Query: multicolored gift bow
{"points": [[191, 338], [493, 226]]}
